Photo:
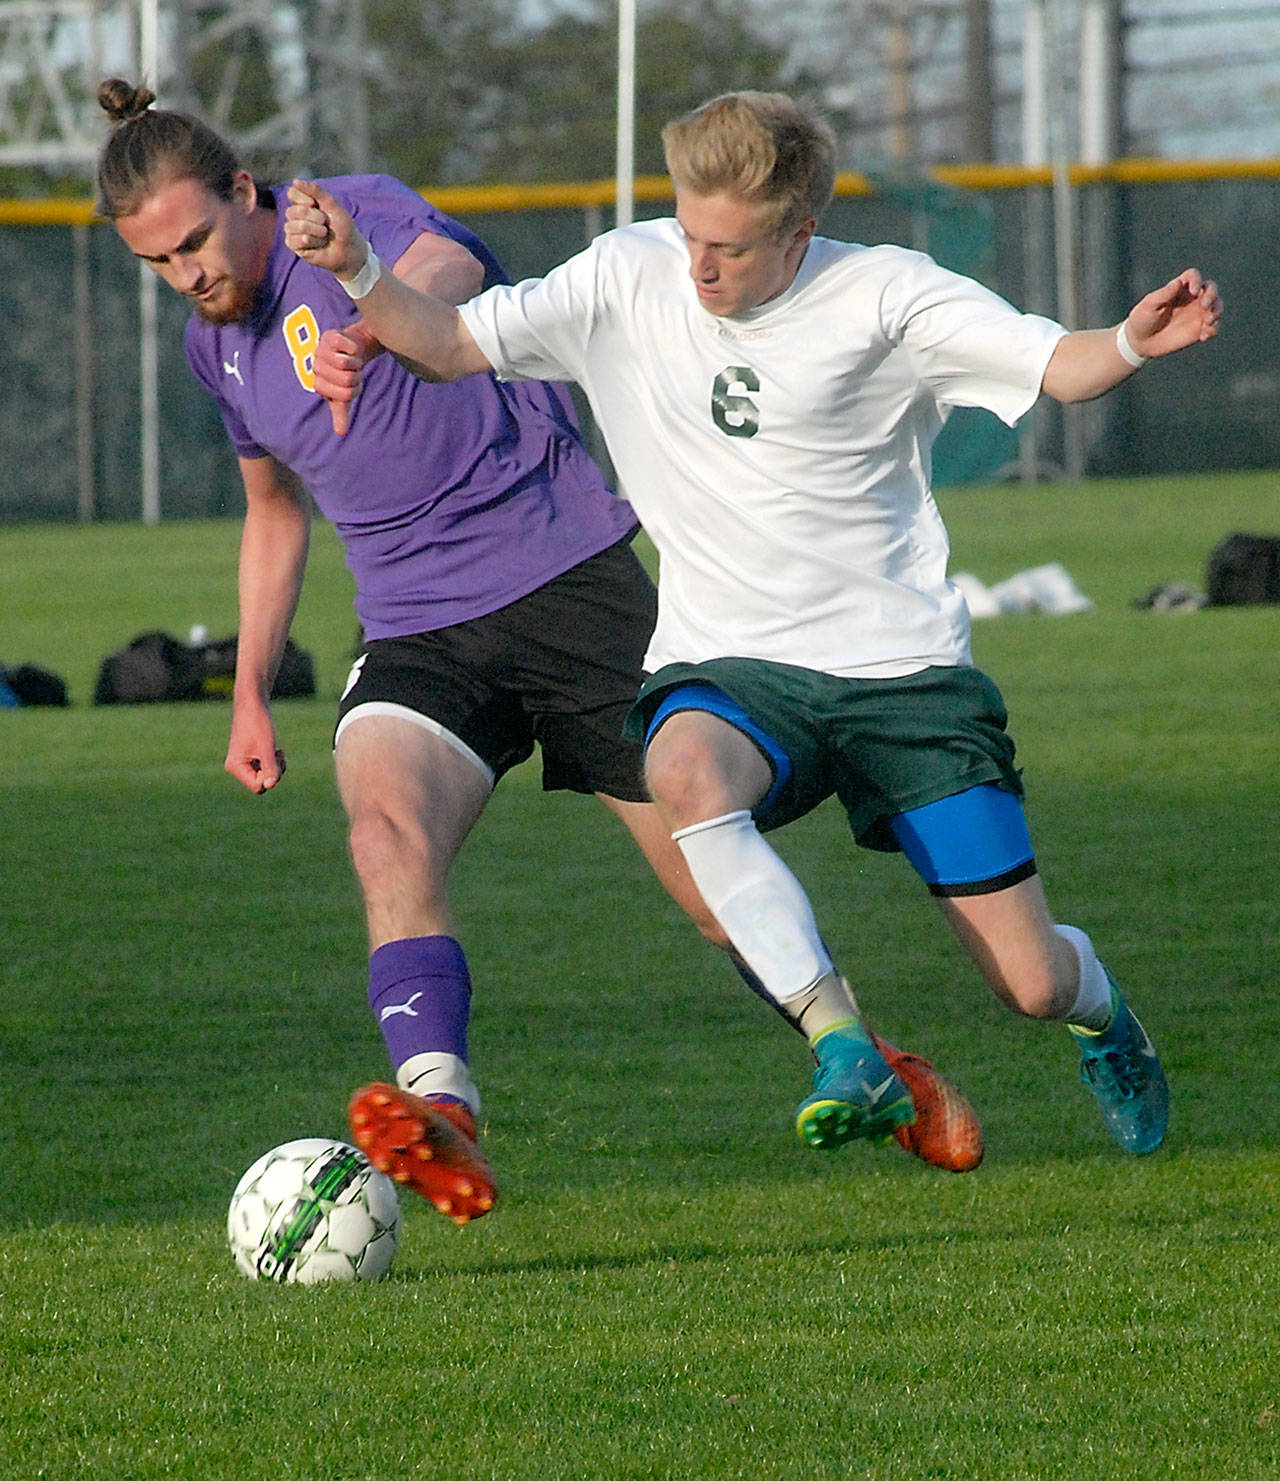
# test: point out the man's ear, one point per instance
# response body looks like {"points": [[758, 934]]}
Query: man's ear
{"points": [[802, 236], [243, 190]]}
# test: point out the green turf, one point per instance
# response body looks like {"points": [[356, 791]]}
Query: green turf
{"points": [[671, 1285]]}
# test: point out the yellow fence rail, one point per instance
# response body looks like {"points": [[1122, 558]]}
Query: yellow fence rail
{"points": [[586, 194]]}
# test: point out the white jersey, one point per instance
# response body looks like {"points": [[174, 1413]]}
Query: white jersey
{"points": [[780, 460]]}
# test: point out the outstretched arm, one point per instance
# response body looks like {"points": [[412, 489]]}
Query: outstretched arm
{"points": [[1090, 362], [426, 331]]}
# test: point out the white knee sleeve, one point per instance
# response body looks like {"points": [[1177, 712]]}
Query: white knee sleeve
{"points": [[758, 901]]}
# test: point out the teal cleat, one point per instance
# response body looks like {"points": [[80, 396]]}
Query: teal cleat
{"points": [[1122, 1069], [855, 1093]]}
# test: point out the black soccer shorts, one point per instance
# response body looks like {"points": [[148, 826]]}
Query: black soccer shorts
{"points": [[559, 668]]}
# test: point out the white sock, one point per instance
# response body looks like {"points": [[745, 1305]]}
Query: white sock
{"points": [[439, 1074], [1092, 1007], [758, 901], [828, 1004]]}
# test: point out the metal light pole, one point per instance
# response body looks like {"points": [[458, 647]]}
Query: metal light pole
{"points": [[148, 365], [1064, 228], [979, 82], [625, 166], [1035, 153], [1100, 81]]}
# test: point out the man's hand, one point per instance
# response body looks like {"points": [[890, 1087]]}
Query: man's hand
{"points": [[1091, 362], [253, 757], [401, 307], [1183, 312], [339, 358], [320, 231]]}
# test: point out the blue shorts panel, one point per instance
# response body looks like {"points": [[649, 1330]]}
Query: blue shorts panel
{"points": [[716, 702], [973, 842]]}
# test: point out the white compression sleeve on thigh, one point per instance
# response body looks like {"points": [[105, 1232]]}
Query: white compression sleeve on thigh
{"points": [[758, 901], [1092, 1007]]}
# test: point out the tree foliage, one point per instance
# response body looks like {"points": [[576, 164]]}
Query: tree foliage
{"points": [[474, 94], [431, 82]]}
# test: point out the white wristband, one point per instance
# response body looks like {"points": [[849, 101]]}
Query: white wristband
{"points": [[1127, 352], [368, 275]]}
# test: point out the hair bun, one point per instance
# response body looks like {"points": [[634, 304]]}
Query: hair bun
{"points": [[122, 102]]}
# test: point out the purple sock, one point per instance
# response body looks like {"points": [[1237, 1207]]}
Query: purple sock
{"points": [[420, 993]]}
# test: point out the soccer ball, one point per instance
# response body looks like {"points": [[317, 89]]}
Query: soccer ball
{"points": [[313, 1210]]}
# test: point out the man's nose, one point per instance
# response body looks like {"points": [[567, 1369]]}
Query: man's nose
{"points": [[187, 273]]}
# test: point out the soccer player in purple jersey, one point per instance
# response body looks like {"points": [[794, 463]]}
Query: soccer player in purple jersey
{"points": [[500, 600]]}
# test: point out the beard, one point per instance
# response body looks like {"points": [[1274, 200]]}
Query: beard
{"points": [[233, 304]]}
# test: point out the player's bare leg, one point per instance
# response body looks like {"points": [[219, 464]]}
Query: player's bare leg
{"points": [[1050, 971], [1011, 937], [411, 799], [653, 838]]}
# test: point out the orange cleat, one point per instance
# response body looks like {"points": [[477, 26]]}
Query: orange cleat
{"points": [[428, 1145], [946, 1132]]}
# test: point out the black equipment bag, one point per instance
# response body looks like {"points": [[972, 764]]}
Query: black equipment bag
{"points": [[34, 685], [295, 678], [1244, 570], [152, 668], [156, 667]]}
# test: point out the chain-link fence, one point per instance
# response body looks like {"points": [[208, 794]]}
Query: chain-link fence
{"points": [[69, 296]]}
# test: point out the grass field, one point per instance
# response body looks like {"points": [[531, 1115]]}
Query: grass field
{"points": [[671, 1286]]}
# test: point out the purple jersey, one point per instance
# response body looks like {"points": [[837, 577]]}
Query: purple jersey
{"points": [[451, 500]]}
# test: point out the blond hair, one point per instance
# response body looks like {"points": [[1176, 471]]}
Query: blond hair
{"points": [[764, 147]]}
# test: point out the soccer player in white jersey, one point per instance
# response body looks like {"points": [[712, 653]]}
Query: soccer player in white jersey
{"points": [[770, 399]]}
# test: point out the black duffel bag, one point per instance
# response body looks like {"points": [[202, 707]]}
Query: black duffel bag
{"points": [[1243, 571]]}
